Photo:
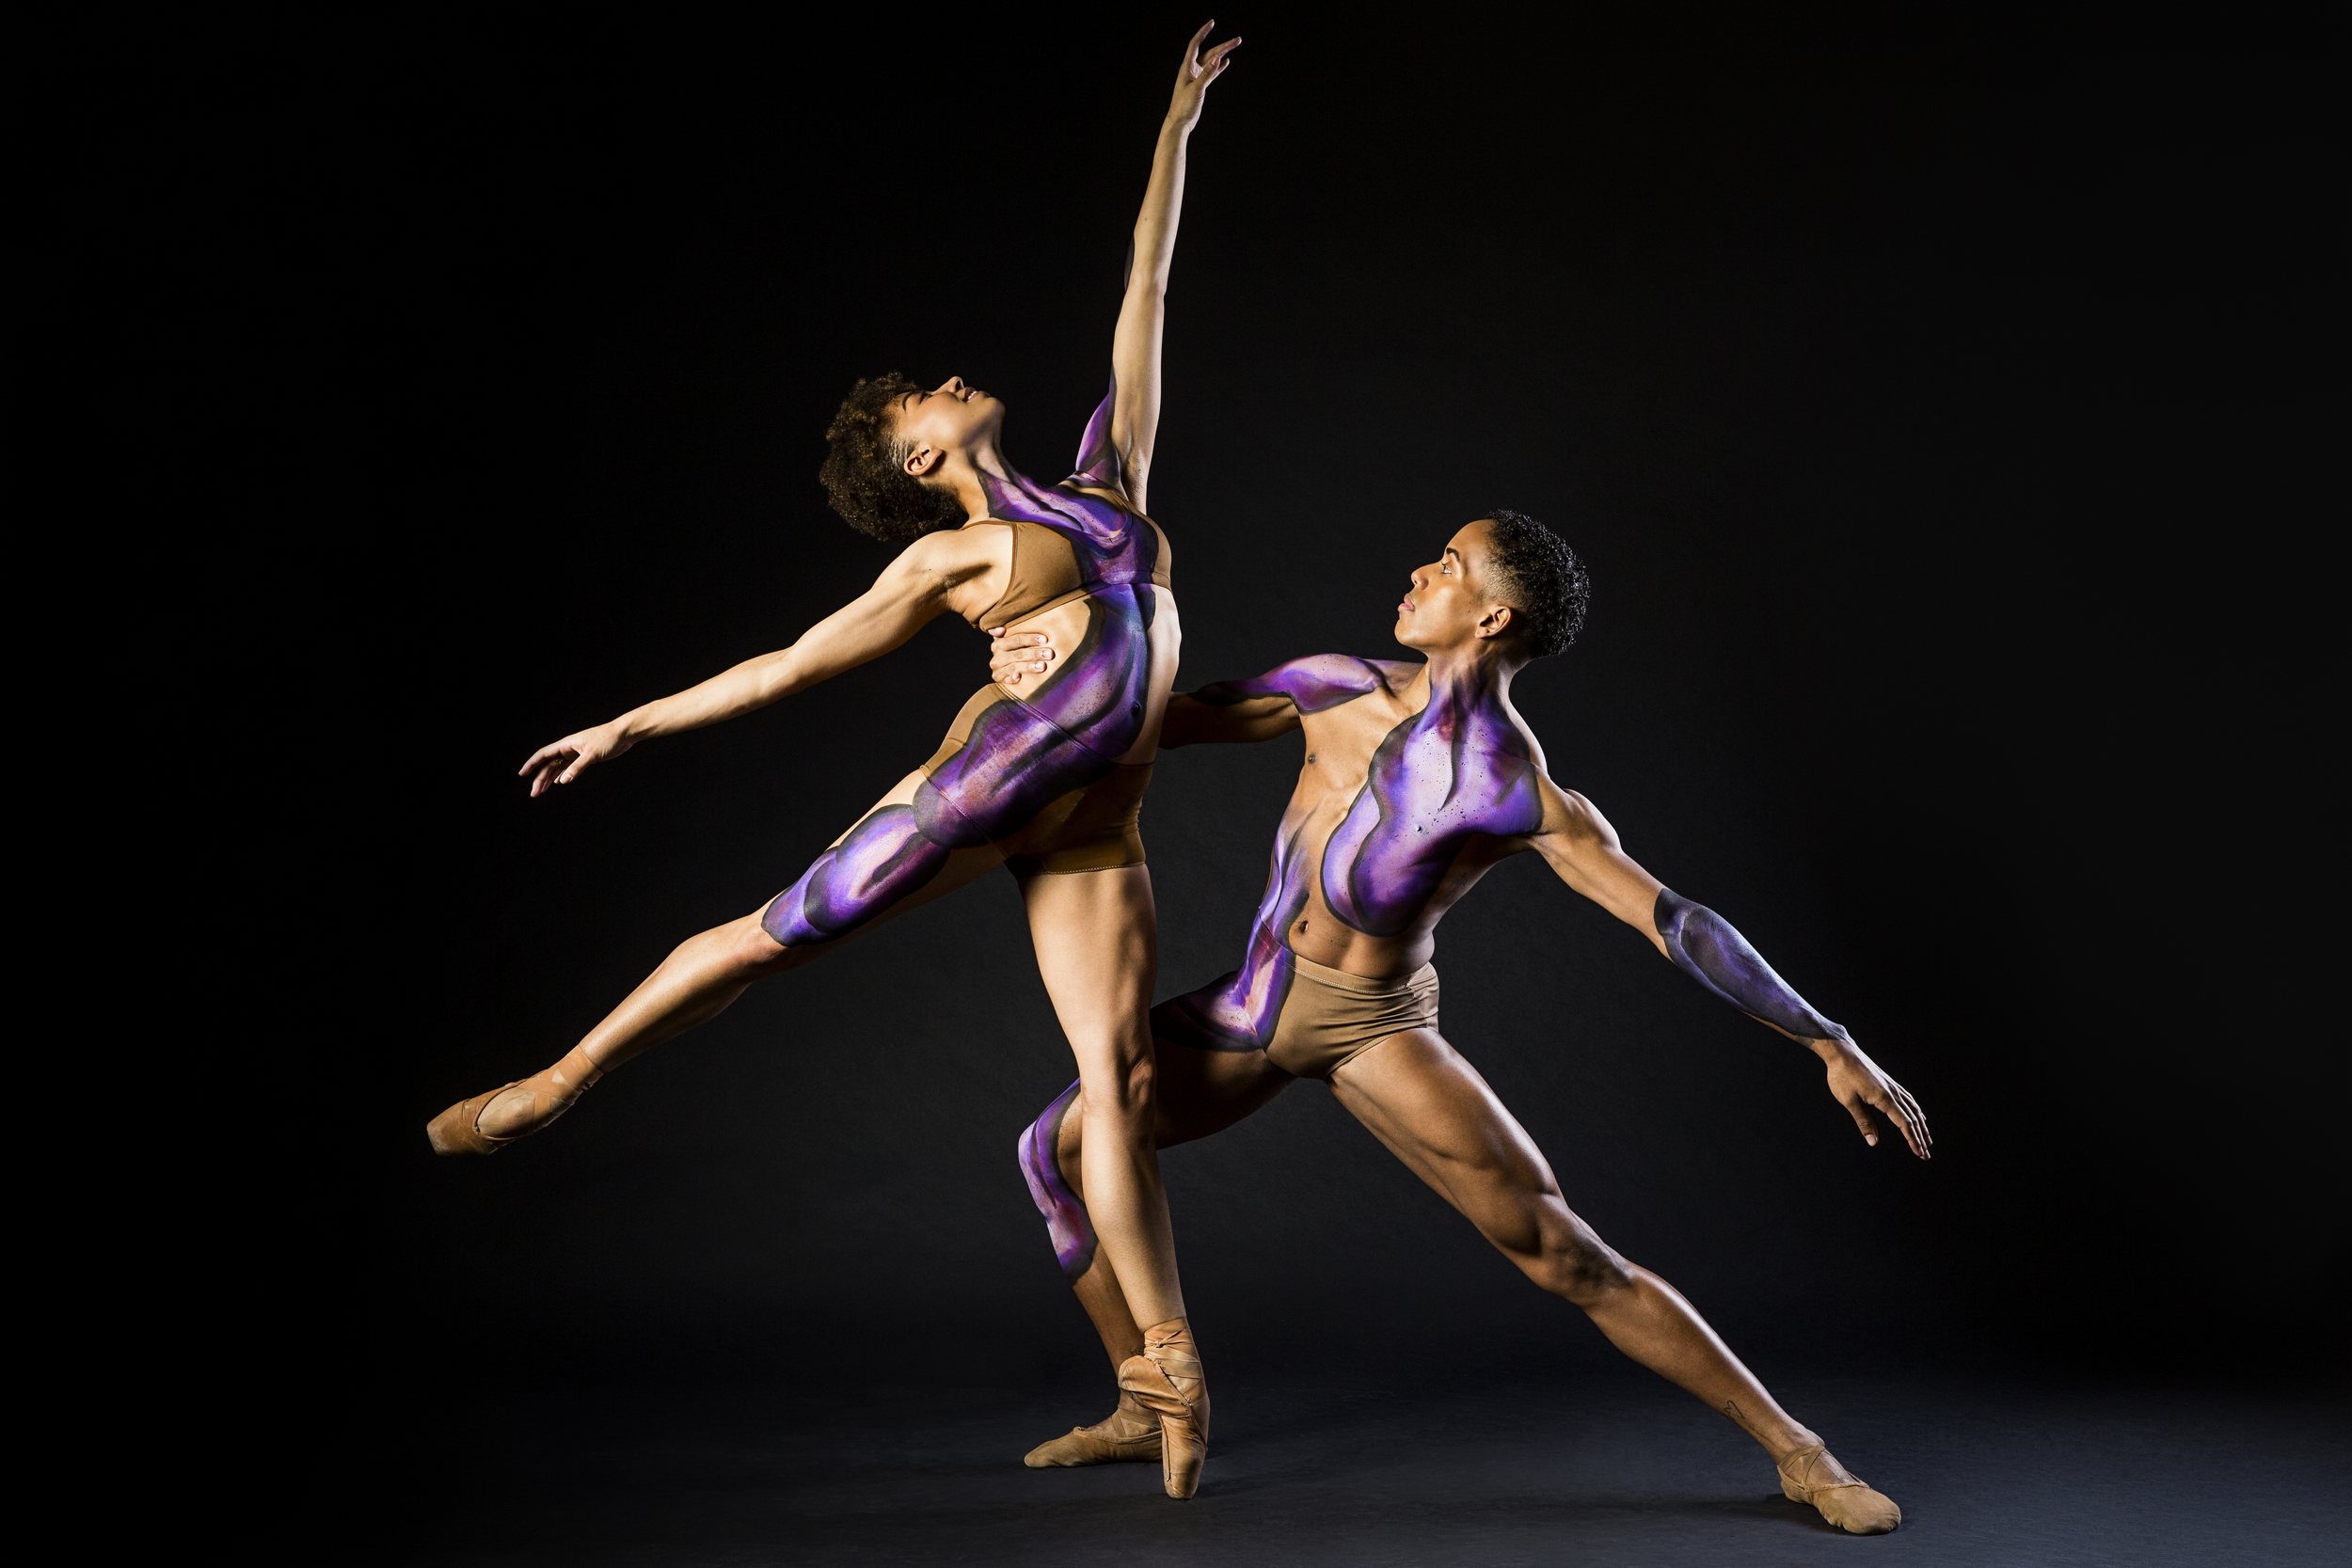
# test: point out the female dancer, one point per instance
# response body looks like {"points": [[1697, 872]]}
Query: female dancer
{"points": [[1048, 784]]}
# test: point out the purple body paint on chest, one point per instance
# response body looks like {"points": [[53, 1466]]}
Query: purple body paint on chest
{"points": [[1458, 770], [1460, 767], [1020, 755]]}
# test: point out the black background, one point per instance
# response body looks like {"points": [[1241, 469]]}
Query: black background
{"points": [[1937, 410]]}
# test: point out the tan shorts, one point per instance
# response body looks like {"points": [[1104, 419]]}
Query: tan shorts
{"points": [[1099, 828], [1331, 1017]]}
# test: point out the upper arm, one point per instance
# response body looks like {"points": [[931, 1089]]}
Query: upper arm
{"points": [[1191, 722], [1135, 397], [911, 592], [1581, 846]]}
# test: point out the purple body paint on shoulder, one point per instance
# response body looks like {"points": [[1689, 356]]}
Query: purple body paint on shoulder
{"points": [[1706, 948], [1023, 752], [1066, 1219]]}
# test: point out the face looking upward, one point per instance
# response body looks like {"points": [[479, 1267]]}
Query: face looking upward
{"points": [[950, 417], [1449, 607]]}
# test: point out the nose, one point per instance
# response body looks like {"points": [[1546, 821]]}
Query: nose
{"points": [[1419, 579], [953, 384]]}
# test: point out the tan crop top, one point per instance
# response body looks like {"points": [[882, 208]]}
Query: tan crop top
{"points": [[1045, 571]]}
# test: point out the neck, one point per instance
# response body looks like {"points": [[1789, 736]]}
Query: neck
{"points": [[963, 473], [1480, 668]]}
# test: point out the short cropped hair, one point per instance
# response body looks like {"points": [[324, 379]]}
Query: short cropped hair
{"points": [[865, 474], [1537, 574]]}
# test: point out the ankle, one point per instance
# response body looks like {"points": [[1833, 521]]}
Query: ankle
{"points": [[1789, 1439]]}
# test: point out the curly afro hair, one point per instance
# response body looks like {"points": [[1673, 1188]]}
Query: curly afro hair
{"points": [[1537, 574], [865, 474]]}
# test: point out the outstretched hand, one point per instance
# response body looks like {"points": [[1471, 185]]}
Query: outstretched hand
{"points": [[1194, 76], [1857, 1081], [564, 760]]}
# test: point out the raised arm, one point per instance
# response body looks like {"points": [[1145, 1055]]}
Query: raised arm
{"points": [[910, 592], [1580, 845], [1136, 344]]}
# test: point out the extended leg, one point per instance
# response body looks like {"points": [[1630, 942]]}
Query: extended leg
{"points": [[698, 981], [1435, 1113]]}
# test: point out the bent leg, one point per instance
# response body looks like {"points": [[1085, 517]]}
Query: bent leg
{"points": [[1435, 1113]]}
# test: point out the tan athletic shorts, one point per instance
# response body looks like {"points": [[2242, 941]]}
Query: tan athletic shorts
{"points": [[1332, 1017]]}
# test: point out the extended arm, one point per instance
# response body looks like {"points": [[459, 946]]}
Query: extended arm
{"points": [[1581, 846], [1191, 722], [1136, 344], [910, 590]]}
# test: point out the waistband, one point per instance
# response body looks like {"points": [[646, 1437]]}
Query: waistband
{"points": [[1340, 979]]}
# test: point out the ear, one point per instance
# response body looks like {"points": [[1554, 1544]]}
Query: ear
{"points": [[924, 459], [1496, 621]]}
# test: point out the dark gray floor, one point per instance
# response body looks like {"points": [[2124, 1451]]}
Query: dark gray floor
{"points": [[1610, 1472]]}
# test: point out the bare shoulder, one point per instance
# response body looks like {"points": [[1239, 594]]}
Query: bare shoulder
{"points": [[1570, 815], [957, 554]]}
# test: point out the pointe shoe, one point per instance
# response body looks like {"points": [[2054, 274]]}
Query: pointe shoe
{"points": [[1167, 1380], [1125, 1435], [458, 1129], [1813, 1476]]}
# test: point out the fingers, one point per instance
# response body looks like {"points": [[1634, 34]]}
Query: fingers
{"points": [[1022, 654], [1861, 1121], [1912, 1120]]}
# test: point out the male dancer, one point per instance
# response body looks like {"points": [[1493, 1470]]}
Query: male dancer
{"points": [[1417, 778]]}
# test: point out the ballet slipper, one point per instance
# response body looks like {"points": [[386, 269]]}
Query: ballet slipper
{"points": [[1126, 1433], [458, 1129], [1813, 1476], [1167, 1380]]}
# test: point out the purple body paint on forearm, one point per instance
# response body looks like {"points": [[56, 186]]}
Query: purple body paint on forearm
{"points": [[1065, 1213], [1706, 948], [1069, 732]]}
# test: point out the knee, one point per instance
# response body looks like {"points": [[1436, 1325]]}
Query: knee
{"points": [[1132, 1092], [1580, 1267], [751, 952]]}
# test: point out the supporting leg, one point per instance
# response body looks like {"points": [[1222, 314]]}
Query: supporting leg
{"points": [[1194, 1093]]}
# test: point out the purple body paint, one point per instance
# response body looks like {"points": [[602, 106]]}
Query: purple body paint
{"points": [[1458, 770], [1069, 732], [1065, 1216], [1705, 946]]}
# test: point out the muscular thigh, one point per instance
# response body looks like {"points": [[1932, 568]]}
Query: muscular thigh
{"points": [[1196, 1092], [963, 867], [1435, 1113]]}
